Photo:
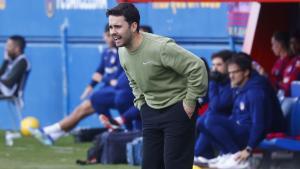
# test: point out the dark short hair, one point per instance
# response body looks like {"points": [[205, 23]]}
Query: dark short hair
{"points": [[283, 38], [223, 54], [128, 10], [19, 41], [146, 28], [241, 59]]}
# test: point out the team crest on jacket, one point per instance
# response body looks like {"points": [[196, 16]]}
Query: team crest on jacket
{"points": [[242, 106]]}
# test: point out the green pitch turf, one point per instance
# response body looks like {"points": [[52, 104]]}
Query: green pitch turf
{"points": [[28, 153]]}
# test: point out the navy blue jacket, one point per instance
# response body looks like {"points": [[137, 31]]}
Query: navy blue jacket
{"points": [[276, 121], [109, 67], [220, 97], [249, 109], [256, 107], [123, 82]]}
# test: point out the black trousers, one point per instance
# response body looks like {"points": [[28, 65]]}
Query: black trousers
{"points": [[168, 138]]}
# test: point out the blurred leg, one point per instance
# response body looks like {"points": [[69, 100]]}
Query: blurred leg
{"points": [[83, 110], [230, 136], [203, 147]]}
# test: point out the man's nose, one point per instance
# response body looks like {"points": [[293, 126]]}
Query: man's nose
{"points": [[112, 30]]}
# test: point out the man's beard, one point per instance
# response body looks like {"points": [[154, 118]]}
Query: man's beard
{"points": [[12, 55]]}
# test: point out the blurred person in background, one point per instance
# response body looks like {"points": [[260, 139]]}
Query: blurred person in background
{"points": [[280, 48], [292, 70], [99, 101], [109, 68], [220, 102], [256, 112], [14, 66], [13, 71]]}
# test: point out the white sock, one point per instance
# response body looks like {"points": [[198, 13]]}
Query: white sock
{"points": [[56, 135], [52, 128]]}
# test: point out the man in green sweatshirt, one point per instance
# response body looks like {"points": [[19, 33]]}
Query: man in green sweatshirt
{"points": [[166, 81]]}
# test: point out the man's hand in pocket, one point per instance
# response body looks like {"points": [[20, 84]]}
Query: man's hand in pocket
{"points": [[188, 110]]}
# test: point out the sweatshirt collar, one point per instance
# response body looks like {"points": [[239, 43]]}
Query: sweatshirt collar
{"points": [[140, 47]]}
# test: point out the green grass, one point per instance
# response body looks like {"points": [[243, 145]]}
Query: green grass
{"points": [[28, 153]]}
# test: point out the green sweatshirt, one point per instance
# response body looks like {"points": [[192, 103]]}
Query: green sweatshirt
{"points": [[161, 73]]}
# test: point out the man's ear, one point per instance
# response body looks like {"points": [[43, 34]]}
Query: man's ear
{"points": [[133, 27], [247, 73]]}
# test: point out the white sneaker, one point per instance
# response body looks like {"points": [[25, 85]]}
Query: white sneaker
{"points": [[200, 159], [10, 136], [41, 136], [215, 162], [231, 163]]}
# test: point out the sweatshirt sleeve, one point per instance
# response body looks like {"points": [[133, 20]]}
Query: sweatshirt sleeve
{"points": [[189, 66]]}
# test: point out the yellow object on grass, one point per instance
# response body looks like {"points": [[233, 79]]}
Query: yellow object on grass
{"points": [[196, 167], [29, 122]]}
